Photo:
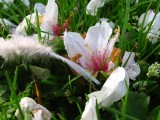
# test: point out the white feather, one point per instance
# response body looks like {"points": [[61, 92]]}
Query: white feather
{"points": [[29, 48]]}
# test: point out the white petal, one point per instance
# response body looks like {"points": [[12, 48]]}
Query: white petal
{"points": [[40, 8], [46, 30], [113, 90], [93, 6], [133, 71], [128, 56], [98, 35], [110, 45], [39, 112], [117, 82], [90, 110], [6, 23], [153, 35], [110, 23], [74, 44], [26, 2], [51, 15], [148, 19], [110, 65], [21, 28]]}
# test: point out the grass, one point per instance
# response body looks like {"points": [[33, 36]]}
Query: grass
{"points": [[62, 91]]}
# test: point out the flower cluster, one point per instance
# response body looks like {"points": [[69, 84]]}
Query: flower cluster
{"points": [[154, 70]]}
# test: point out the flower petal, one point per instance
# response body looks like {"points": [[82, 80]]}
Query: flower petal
{"points": [[133, 70], [74, 45], [148, 19], [128, 56], [6, 23], [117, 85], [51, 15], [90, 110], [93, 6], [110, 44], [21, 28], [40, 8], [26, 2], [113, 90], [98, 35], [39, 112], [153, 35]]}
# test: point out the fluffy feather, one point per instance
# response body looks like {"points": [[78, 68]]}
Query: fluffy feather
{"points": [[29, 49]]}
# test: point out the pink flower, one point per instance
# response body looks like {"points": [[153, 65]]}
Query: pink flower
{"points": [[93, 53]]}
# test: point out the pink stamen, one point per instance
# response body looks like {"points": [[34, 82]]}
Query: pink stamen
{"points": [[98, 61]]}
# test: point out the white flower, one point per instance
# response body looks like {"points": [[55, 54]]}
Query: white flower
{"points": [[153, 34], [30, 49], [23, 26], [38, 112], [48, 18], [113, 90], [6, 23], [94, 52], [131, 67], [93, 6]]}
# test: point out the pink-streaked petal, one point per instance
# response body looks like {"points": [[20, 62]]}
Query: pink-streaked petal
{"points": [[98, 35], [93, 6], [40, 8]]}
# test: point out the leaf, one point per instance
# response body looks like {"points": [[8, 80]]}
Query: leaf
{"points": [[40, 73], [154, 113], [3, 90], [137, 105]]}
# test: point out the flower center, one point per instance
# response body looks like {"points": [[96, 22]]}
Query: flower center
{"points": [[99, 61]]}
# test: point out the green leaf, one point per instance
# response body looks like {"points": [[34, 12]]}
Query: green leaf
{"points": [[40, 73], [154, 113], [137, 105], [3, 89]]}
